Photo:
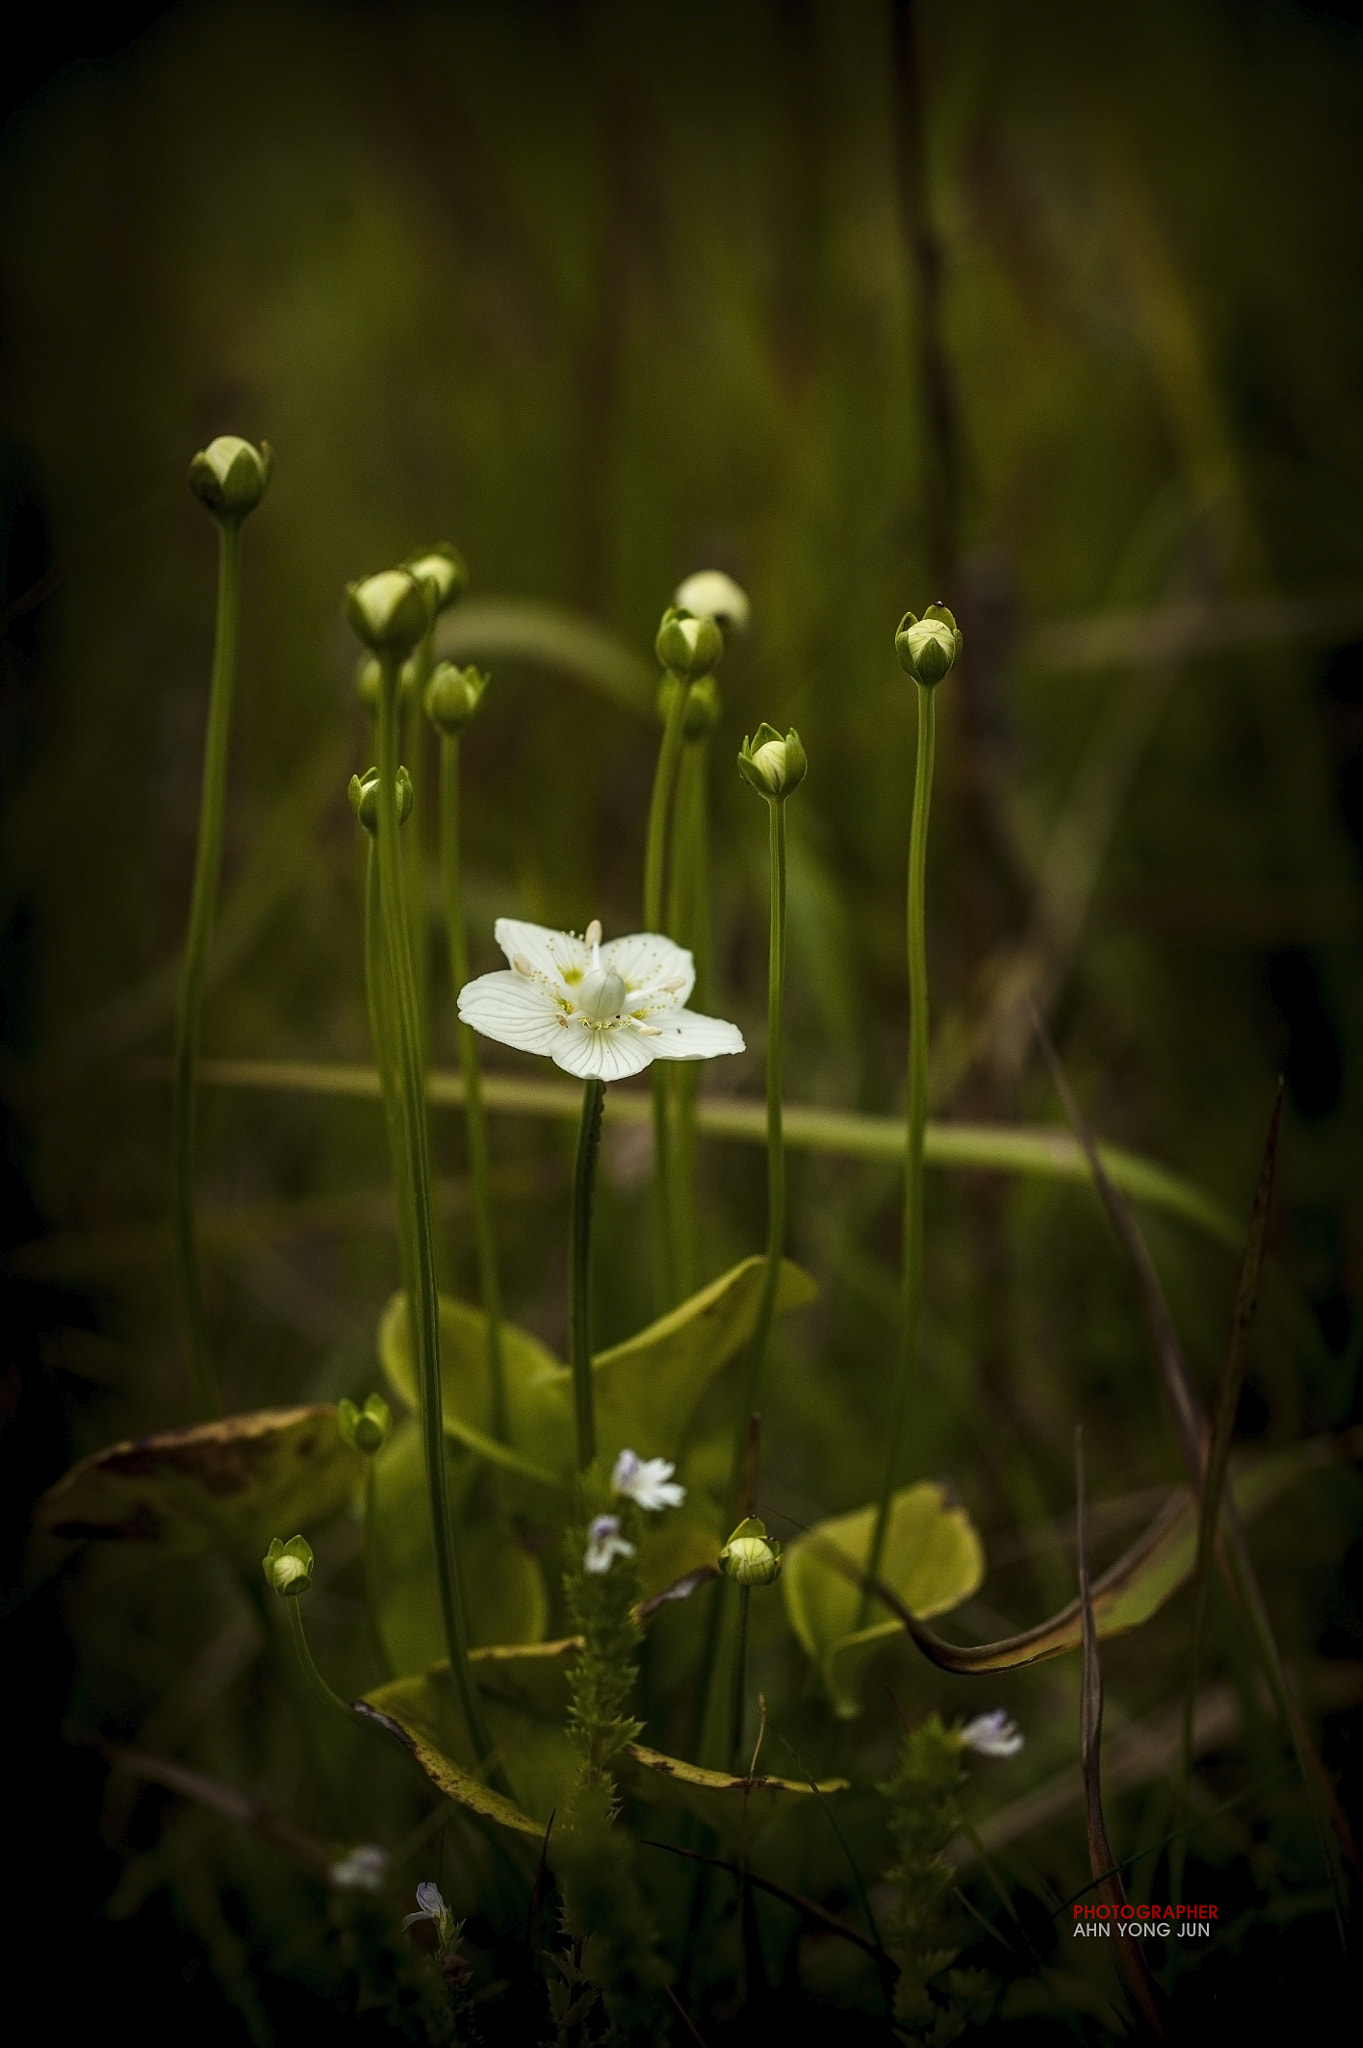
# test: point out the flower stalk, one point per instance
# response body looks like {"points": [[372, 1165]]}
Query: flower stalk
{"points": [[229, 477], [927, 649], [475, 1121], [580, 1271]]}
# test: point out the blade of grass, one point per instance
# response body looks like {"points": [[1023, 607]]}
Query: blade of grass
{"points": [[1102, 1862], [1224, 1410]]}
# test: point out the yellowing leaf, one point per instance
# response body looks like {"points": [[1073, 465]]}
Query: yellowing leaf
{"points": [[716, 1797], [534, 1754], [933, 1559], [232, 1484]]}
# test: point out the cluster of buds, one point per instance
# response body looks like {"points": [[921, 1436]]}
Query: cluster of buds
{"points": [[930, 647], [230, 475], [364, 798]]}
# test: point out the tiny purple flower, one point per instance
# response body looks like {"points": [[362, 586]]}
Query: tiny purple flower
{"points": [[993, 1734], [605, 1544], [648, 1481]]}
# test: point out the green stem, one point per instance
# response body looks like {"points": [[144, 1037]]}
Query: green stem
{"points": [[688, 923], [754, 1356], [475, 1123], [207, 869], [660, 805], [740, 1682], [371, 1569], [917, 1125], [414, 757], [379, 996], [580, 1271], [424, 1301], [316, 1683]]}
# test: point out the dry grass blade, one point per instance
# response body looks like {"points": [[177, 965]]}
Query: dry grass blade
{"points": [[1102, 1862], [1194, 1435], [1224, 1412]]}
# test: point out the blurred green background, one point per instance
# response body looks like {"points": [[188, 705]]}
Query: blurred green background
{"points": [[1057, 323]]}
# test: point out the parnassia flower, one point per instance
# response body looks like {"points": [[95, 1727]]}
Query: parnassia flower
{"points": [[648, 1481], [605, 1544], [992, 1734], [600, 1012]]}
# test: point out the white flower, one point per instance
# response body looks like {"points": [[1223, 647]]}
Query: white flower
{"points": [[992, 1734], [601, 1012], [605, 1544], [648, 1481], [362, 1869], [431, 1906]]}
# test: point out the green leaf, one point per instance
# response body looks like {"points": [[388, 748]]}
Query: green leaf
{"points": [[501, 1584], [232, 1484], [534, 1753], [1146, 1574], [933, 1560], [719, 1798], [646, 1388]]}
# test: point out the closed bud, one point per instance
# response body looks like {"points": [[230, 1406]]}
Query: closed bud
{"points": [[288, 1566], [687, 645], [930, 647], [453, 695], [229, 476], [364, 798], [712, 594], [442, 569], [774, 766], [365, 1429], [390, 612], [701, 714], [751, 1557]]}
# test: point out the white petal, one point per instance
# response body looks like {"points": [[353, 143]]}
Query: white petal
{"points": [[645, 959], [603, 1055], [548, 952], [513, 1010], [685, 1035]]}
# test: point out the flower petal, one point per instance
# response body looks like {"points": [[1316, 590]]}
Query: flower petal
{"points": [[514, 1011], [548, 952], [645, 959], [686, 1035], [596, 1055]]}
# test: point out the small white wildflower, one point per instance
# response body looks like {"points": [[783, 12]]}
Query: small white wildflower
{"points": [[992, 1734], [430, 1906], [600, 1012], [648, 1481], [362, 1869], [605, 1544]]}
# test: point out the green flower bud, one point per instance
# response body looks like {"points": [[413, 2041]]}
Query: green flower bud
{"points": [[365, 1429], [774, 766], [288, 1566], [229, 476], [701, 715], [390, 612], [930, 647], [369, 675], [711, 594], [442, 569], [453, 695], [364, 798], [751, 1557], [688, 646]]}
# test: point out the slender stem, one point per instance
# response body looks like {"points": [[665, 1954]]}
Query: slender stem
{"points": [[317, 1684], [475, 1123], [660, 805], [207, 868], [580, 1271], [917, 1124], [413, 850], [424, 1303], [753, 1358], [371, 1569], [740, 1682], [379, 995], [688, 923]]}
